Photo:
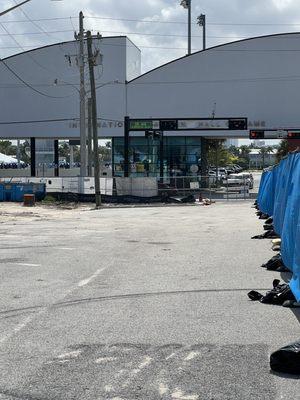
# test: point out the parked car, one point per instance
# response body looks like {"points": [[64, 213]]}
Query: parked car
{"points": [[241, 179], [247, 175]]}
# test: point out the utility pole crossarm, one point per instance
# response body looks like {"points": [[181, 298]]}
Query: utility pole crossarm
{"points": [[13, 8]]}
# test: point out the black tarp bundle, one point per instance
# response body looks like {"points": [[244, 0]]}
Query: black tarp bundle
{"points": [[287, 359]]}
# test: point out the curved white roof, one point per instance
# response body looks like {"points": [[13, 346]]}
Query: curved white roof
{"points": [[257, 78]]}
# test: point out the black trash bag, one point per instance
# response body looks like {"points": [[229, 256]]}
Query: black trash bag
{"points": [[267, 235], [274, 263], [268, 227], [278, 295], [286, 359], [269, 220], [263, 216]]}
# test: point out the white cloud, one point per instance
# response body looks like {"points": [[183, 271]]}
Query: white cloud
{"points": [[226, 21]]}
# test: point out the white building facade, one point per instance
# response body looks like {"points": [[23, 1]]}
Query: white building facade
{"points": [[256, 78]]}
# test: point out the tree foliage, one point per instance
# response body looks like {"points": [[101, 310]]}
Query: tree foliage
{"points": [[282, 150]]}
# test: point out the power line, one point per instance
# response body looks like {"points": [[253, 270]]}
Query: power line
{"points": [[119, 32], [191, 82], [41, 121], [30, 20], [253, 79], [212, 49], [154, 21], [132, 33], [35, 33], [30, 86]]}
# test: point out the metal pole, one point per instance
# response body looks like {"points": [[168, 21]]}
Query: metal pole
{"points": [[202, 22], [94, 120], [32, 157], [161, 156], [126, 147], [90, 138], [18, 154], [189, 26], [204, 32], [82, 98], [56, 158]]}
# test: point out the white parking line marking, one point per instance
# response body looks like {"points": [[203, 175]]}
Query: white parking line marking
{"points": [[28, 265], [86, 281], [191, 355], [28, 320], [105, 359], [170, 356], [71, 354], [144, 364], [163, 389], [179, 395]]}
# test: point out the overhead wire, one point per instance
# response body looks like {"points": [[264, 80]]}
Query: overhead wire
{"points": [[55, 120], [157, 21], [28, 85]]}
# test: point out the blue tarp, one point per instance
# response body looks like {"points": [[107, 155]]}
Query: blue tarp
{"points": [[261, 189], [282, 190], [279, 196], [291, 216], [267, 198]]}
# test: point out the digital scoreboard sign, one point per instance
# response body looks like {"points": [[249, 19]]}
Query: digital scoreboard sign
{"points": [[189, 124]]}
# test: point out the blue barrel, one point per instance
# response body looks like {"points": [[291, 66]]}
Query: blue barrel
{"points": [[1, 192], [15, 191]]}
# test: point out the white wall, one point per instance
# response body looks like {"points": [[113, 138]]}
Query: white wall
{"points": [[257, 78], [41, 67]]}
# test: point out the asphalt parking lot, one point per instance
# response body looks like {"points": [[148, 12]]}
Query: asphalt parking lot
{"points": [[138, 303]]}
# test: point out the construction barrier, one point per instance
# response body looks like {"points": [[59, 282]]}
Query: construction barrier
{"points": [[279, 196]]}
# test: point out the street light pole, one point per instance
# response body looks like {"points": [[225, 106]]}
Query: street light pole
{"points": [[188, 5], [202, 22], [190, 27]]}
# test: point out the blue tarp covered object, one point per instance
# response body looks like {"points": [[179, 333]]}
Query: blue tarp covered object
{"points": [[279, 196]]}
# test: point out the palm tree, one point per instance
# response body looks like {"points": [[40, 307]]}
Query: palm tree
{"points": [[265, 151], [282, 150]]}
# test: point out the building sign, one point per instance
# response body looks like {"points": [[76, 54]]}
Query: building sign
{"points": [[189, 124], [143, 125], [101, 124], [257, 124], [203, 124]]}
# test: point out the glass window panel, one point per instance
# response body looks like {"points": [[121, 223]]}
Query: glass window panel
{"points": [[193, 140], [118, 141], [137, 141], [175, 150], [176, 140], [193, 150]]}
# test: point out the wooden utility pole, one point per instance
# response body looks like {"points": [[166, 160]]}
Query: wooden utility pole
{"points": [[90, 138], [94, 119], [82, 98]]}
